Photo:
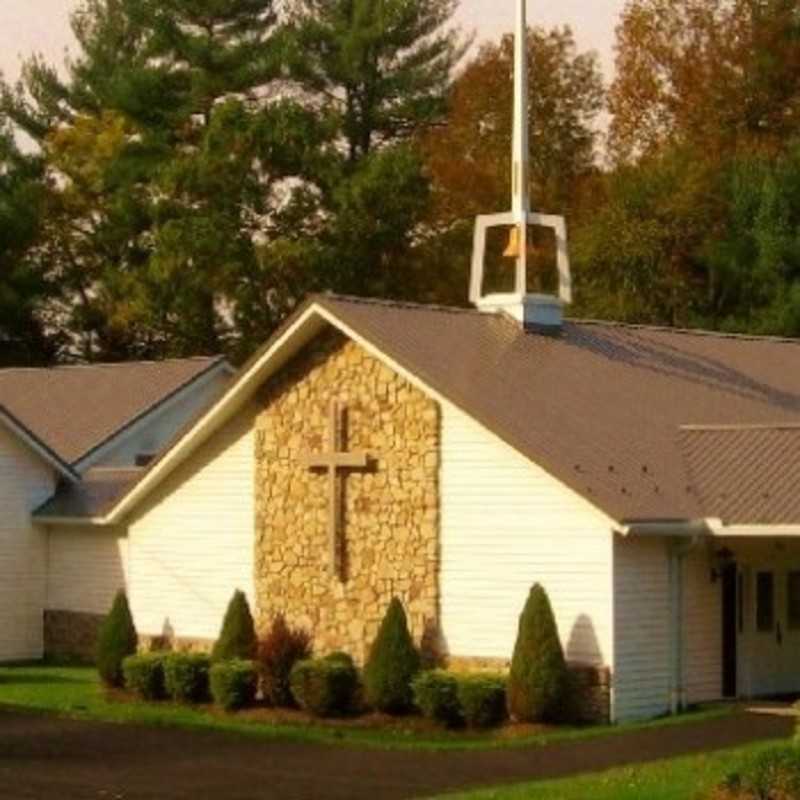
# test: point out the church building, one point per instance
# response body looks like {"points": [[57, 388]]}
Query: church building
{"points": [[647, 478]]}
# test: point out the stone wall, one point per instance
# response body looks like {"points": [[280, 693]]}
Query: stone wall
{"points": [[589, 694], [390, 529], [71, 635]]}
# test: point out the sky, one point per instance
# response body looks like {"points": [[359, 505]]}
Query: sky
{"points": [[28, 26]]}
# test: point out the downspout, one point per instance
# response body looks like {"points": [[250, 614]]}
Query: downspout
{"points": [[678, 551]]}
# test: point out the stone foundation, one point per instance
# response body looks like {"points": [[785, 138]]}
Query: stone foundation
{"points": [[174, 644], [390, 527], [71, 635], [589, 693]]}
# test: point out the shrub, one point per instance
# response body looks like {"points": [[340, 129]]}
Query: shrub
{"points": [[538, 678], [186, 677], [436, 696], [116, 640], [325, 687], [237, 637], [771, 774], [392, 664], [277, 654], [144, 675], [233, 683], [482, 700]]}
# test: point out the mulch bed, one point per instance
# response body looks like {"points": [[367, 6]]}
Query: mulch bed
{"points": [[50, 757]]}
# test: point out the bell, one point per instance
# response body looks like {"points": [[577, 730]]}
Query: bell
{"points": [[512, 248]]}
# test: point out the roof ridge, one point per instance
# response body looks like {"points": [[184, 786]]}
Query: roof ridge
{"points": [[379, 301], [115, 364], [685, 331]]}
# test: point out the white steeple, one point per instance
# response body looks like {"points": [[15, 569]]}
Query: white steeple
{"points": [[527, 308]]}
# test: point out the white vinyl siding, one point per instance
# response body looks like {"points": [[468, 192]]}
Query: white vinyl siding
{"points": [[507, 524], [702, 626], [25, 483], [641, 628], [86, 568], [191, 544]]}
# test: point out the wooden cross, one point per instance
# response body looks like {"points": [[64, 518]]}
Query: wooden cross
{"points": [[334, 462]]}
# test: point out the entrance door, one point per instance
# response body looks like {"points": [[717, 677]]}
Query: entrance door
{"points": [[730, 615], [774, 635]]}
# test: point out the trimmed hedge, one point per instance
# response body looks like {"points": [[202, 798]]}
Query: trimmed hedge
{"points": [[436, 696], [325, 687], [237, 637], [482, 700], [116, 640], [233, 683], [144, 675], [186, 677], [392, 664], [538, 680], [277, 654]]}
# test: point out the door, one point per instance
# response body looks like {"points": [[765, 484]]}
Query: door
{"points": [[774, 636], [730, 616]]}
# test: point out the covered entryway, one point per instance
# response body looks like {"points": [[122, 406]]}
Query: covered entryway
{"points": [[759, 581]]}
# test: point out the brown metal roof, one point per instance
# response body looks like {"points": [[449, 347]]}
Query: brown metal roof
{"points": [[97, 492], [73, 410], [600, 405], [745, 474]]}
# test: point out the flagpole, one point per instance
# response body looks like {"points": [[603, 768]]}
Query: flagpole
{"points": [[520, 201]]}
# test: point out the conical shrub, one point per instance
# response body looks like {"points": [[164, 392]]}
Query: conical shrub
{"points": [[116, 641], [538, 679], [237, 637], [392, 664]]}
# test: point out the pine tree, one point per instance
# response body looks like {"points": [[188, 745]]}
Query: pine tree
{"points": [[24, 288], [237, 637], [116, 641], [392, 664], [381, 70], [537, 682]]}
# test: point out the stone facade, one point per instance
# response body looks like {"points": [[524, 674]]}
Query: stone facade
{"points": [[390, 526]]}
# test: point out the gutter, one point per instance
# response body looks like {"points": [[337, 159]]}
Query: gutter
{"points": [[677, 528], [678, 551]]}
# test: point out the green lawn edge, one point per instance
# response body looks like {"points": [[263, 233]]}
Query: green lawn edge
{"points": [[690, 777], [74, 692]]}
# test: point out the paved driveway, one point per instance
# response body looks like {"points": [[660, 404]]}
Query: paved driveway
{"points": [[59, 759]]}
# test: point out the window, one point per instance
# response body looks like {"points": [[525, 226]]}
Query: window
{"points": [[765, 601], [793, 600]]}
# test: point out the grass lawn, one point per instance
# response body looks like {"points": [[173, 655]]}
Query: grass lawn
{"points": [[76, 692], [678, 779]]}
